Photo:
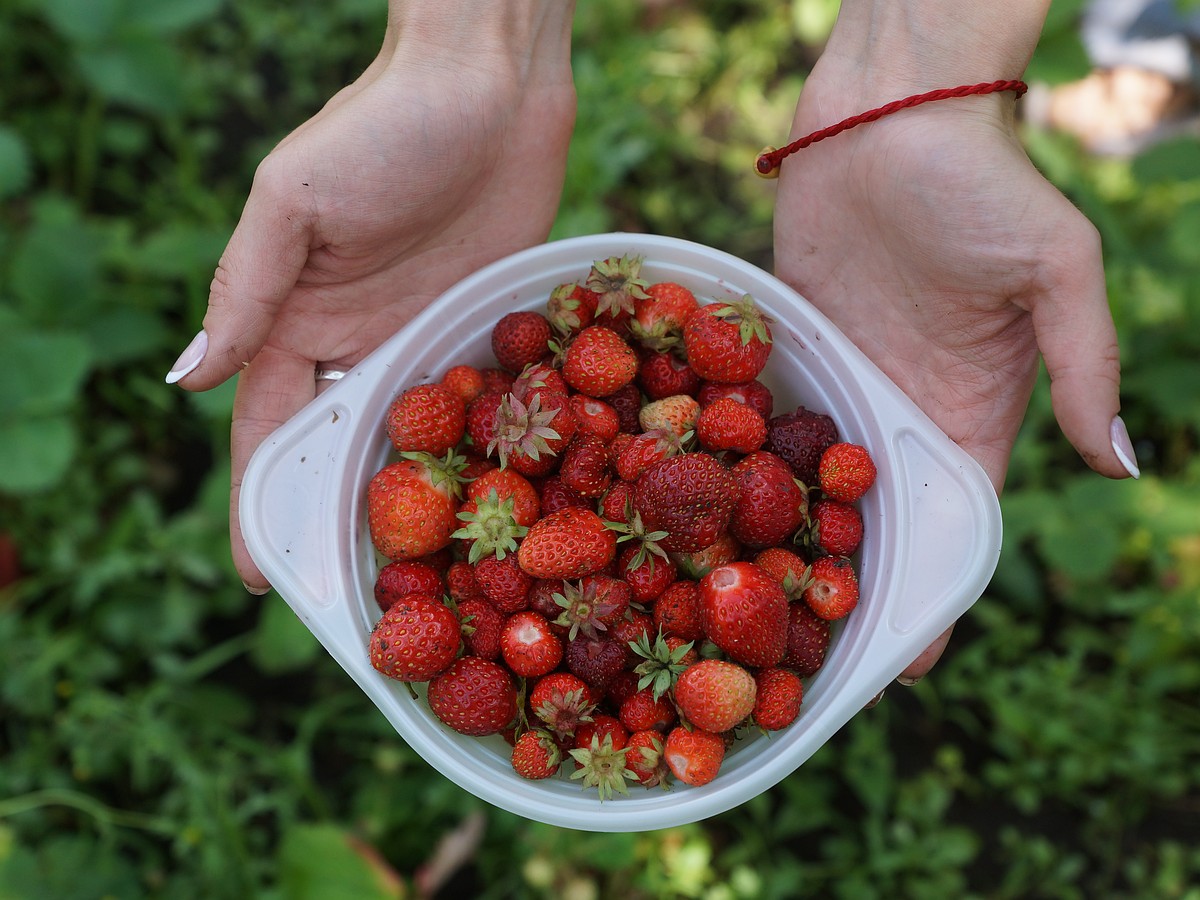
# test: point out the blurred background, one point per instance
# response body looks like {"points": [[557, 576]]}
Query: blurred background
{"points": [[164, 734]]}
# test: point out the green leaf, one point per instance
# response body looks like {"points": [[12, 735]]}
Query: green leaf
{"points": [[282, 642], [1167, 161], [141, 72], [323, 862], [1060, 57], [84, 21], [43, 372], [165, 16], [35, 453], [15, 167], [55, 270]]}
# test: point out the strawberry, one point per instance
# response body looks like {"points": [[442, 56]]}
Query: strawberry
{"points": [[426, 418], [743, 610], [677, 610], [496, 379], [663, 660], [584, 467], [528, 437], [646, 573], [727, 424], [695, 564], [466, 381], [754, 394], [675, 415], [569, 543], [642, 711], [694, 756], [416, 639], [520, 339], [505, 584], [618, 285], [590, 605], [595, 416], [664, 374], [634, 626], [562, 701], [474, 696], [800, 437], [644, 757], [556, 496], [691, 497], [779, 695], [846, 472], [411, 507], [659, 316], [617, 503], [489, 525], [571, 308], [634, 454], [536, 755], [837, 527], [508, 485], [786, 567], [598, 362], [771, 504], [596, 660], [832, 591], [627, 402], [727, 341], [403, 577], [528, 645], [715, 695], [483, 419], [808, 639], [599, 757], [481, 627], [461, 583]]}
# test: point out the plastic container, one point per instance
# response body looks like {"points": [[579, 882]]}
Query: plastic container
{"points": [[932, 521]]}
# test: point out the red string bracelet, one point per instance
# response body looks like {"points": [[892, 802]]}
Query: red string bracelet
{"points": [[767, 164]]}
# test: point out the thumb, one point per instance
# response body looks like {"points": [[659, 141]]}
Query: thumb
{"points": [[1078, 341], [258, 269]]}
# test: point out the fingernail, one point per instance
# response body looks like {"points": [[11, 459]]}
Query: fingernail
{"points": [[189, 358], [1123, 446], [908, 680], [874, 701], [256, 591]]}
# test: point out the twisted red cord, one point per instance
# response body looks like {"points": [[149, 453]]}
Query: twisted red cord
{"points": [[768, 161]]}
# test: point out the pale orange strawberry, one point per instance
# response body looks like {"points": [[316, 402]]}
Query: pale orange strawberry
{"points": [[570, 543], [411, 507], [677, 414], [426, 418], [715, 694]]}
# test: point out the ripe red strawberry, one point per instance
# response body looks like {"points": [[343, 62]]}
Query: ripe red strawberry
{"points": [[461, 583], [599, 362], [403, 577], [556, 496], [483, 419], [569, 543], [676, 415], [786, 567], [505, 584], [617, 284], [474, 696], [837, 527], [561, 701], [665, 374], [754, 394], [832, 591], [634, 626], [416, 639], [633, 454], [481, 627], [599, 755], [617, 503], [595, 416], [727, 424], [659, 316], [496, 379], [694, 756], [727, 341], [571, 308], [800, 437], [642, 711], [411, 506], [529, 437], [715, 695], [489, 526], [536, 755], [771, 506], [808, 639], [698, 563], [584, 467], [508, 485], [644, 757], [590, 605], [627, 402], [528, 645], [466, 381], [780, 693], [743, 610], [646, 573], [846, 472], [596, 660], [691, 497], [677, 610], [426, 418], [520, 339], [599, 728]]}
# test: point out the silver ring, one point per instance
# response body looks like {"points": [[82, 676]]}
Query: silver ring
{"points": [[329, 375]]}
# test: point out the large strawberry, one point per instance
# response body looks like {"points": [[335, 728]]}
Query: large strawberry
{"points": [[715, 694], [569, 543], [690, 497], [598, 362], [744, 611], [727, 341], [474, 696], [694, 756], [416, 639], [411, 507], [426, 418], [771, 505]]}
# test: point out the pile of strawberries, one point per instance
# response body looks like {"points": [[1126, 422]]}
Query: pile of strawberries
{"points": [[608, 547]]}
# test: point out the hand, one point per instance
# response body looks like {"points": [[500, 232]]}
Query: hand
{"points": [[933, 242], [432, 164]]}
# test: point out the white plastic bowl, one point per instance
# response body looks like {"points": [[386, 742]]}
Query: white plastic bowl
{"points": [[932, 521]]}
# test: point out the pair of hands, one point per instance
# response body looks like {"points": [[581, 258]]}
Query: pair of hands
{"points": [[928, 237]]}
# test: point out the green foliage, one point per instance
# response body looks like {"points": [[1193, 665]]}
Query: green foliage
{"points": [[164, 734]]}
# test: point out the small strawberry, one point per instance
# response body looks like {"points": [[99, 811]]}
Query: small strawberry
{"points": [[595, 416], [598, 362], [627, 402], [461, 583], [780, 693], [846, 472], [727, 424], [832, 591], [677, 610], [837, 527], [584, 467], [744, 612], [645, 571], [644, 757], [426, 418], [715, 695], [786, 567], [528, 645], [754, 394], [799, 438], [529, 437], [403, 577], [520, 338], [618, 284], [596, 660], [416, 639], [600, 763], [571, 308], [562, 701], [536, 755], [539, 378], [483, 419], [496, 379], [694, 756], [474, 696], [663, 660], [411, 506], [771, 505], [556, 496], [633, 454], [808, 639], [695, 564], [617, 503], [590, 605], [505, 584], [676, 415], [569, 543], [691, 497], [659, 316], [642, 711], [489, 525], [634, 626], [727, 341], [466, 381], [508, 485], [665, 374], [481, 627]]}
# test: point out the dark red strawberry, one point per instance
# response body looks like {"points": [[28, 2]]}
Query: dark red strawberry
{"points": [[771, 505], [403, 577], [520, 338], [807, 641], [800, 438], [474, 696], [584, 467], [596, 660], [691, 497], [665, 374], [481, 626]]}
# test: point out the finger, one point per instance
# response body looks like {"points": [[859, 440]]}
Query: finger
{"points": [[1078, 341], [920, 666], [258, 269], [272, 389]]}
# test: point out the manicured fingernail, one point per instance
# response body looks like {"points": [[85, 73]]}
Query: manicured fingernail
{"points": [[189, 358], [908, 680], [256, 591], [1123, 446]]}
